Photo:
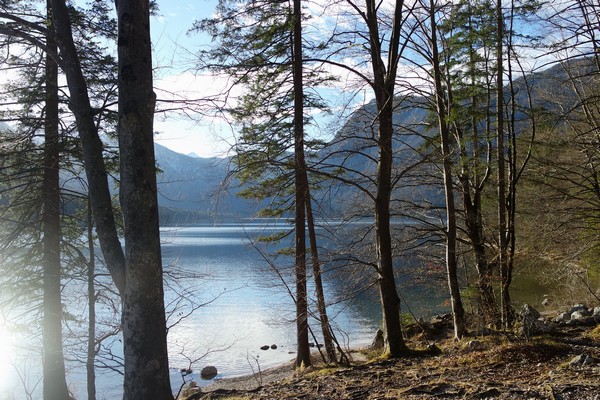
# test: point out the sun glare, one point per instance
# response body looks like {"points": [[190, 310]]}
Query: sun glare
{"points": [[7, 354]]}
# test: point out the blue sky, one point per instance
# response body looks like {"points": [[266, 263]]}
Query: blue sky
{"points": [[173, 58]]}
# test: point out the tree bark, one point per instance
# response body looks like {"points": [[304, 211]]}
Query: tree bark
{"points": [[506, 310], [451, 262], [54, 379], [91, 276], [301, 190], [383, 86], [321, 304], [144, 327], [95, 169]]}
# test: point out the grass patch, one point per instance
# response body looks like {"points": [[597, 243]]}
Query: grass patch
{"points": [[317, 372], [594, 333]]}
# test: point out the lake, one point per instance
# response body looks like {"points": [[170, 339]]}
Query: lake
{"points": [[245, 306]]}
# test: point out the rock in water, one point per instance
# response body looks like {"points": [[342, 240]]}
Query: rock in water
{"points": [[208, 372], [265, 347]]}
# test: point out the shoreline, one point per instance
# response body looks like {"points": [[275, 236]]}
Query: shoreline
{"points": [[252, 381], [286, 370]]}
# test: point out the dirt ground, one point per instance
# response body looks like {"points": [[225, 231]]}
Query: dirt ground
{"points": [[495, 366]]}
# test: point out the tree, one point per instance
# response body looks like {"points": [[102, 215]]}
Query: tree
{"points": [[144, 268], [144, 327], [384, 81], [467, 47], [270, 151], [301, 190], [55, 384], [91, 144], [442, 108]]}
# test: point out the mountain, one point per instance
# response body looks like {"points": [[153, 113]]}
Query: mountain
{"points": [[196, 188], [201, 185]]}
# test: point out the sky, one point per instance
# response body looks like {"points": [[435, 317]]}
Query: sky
{"points": [[173, 58], [175, 78]]}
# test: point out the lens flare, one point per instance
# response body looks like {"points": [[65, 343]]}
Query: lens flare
{"points": [[7, 354]]}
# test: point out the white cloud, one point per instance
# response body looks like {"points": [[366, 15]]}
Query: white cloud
{"points": [[189, 117]]}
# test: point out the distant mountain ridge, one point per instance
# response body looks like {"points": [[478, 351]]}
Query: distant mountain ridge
{"points": [[191, 188], [202, 186]]}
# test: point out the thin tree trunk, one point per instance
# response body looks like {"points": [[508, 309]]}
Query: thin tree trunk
{"points": [[451, 259], [92, 147], [383, 86], [303, 350], [321, 304], [91, 345], [486, 299], [144, 326], [54, 379], [502, 218]]}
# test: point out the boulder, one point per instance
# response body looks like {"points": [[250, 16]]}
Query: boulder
{"points": [[583, 321], [581, 314], [529, 312], [562, 317], [208, 372], [441, 321], [378, 342], [577, 307], [584, 359], [532, 323], [265, 347], [475, 345], [273, 346]]}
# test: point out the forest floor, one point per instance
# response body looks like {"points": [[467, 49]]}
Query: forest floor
{"points": [[494, 366]]}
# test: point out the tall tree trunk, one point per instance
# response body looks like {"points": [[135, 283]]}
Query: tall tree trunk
{"points": [[486, 299], [95, 169], [451, 259], [501, 164], [301, 184], [383, 86], [54, 379], [473, 182], [144, 326], [321, 304], [91, 276]]}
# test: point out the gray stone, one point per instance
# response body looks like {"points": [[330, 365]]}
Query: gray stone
{"points": [[596, 311], [378, 342], [562, 317], [475, 345], [577, 307], [532, 323], [580, 314], [529, 312], [584, 359], [546, 302], [590, 360], [208, 372], [585, 321]]}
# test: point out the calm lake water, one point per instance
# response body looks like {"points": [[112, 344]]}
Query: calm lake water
{"points": [[245, 306]]}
